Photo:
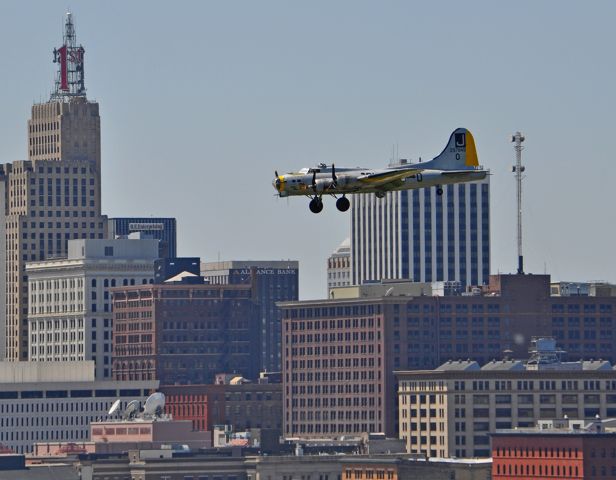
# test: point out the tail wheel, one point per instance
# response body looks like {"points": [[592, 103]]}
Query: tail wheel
{"points": [[343, 204], [439, 190], [315, 205]]}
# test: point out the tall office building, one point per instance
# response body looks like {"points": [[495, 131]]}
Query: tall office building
{"points": [[274, 281], [70, 298], [423, 236], [55, 195], [183, 333], [163, 229]]}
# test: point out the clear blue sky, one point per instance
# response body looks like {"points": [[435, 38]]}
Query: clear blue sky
{"points": [[201, 101]]}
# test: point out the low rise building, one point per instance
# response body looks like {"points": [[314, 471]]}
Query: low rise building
{"points": [[242, 406], [122, 435], [450, 411], [555, 449], [56, 401], [393, 467]]}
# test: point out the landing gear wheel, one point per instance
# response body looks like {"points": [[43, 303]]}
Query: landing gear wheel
{"points": [[439, 191], [343, 204], [316, 205], [380, 194]]}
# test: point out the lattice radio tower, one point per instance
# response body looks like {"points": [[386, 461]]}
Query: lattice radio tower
{"points": [[70, 81]]}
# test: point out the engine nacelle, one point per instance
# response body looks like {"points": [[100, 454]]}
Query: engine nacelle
{"points": [[323, 184]]}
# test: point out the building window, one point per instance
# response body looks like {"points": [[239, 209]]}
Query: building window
{"points": [[109, 251]]}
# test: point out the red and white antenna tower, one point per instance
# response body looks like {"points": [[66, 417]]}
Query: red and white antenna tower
{"points": [[70, 57]]}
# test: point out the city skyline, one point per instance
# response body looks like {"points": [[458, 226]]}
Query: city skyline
{"points": [[218, 92]]}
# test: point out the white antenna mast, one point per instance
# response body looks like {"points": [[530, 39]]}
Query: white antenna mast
{"points": [[517, 138]]}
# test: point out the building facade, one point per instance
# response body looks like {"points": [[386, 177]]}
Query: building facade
{"points": [[344, 350], [163, 229], [184, 333], [550, 451], [400, 467], [242, 407], [69, 309], [339, 266], [274, 281], [419, 235], [56, 401], [50, 198], [451, 411]]}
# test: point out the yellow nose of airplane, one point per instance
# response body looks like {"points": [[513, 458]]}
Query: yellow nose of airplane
{"points": [[278, 183]]}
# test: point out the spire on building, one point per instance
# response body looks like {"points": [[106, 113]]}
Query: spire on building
{"points": [[70, 60]]}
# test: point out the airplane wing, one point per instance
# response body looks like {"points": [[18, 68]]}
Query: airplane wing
{"points": [[383, 178]]}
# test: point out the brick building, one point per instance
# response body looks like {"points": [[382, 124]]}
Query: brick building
{"points": [[273, 281], [406, 467], [340, 354], [246, 406], [548, 452], [184, 333], [452, 410]]}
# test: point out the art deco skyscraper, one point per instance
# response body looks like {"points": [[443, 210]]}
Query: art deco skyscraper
{"points": [[53, 196]]}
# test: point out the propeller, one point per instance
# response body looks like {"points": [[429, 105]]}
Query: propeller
{"points": [[314, 181], [277, 179], [334, 177]]}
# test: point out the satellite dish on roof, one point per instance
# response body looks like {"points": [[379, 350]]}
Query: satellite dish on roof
{"points": [[131, 409], [114, 407], [154, 404]]}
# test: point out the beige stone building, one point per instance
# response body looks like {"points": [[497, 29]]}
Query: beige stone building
{"points": [[50, 198], [450, 411]]}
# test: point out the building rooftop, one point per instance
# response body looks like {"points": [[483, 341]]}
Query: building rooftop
{"points": [[459, 365], [504, 365]]}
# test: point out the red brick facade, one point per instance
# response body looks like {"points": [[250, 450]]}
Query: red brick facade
{"points": [[184, 334], [553, 455], [243, 407]]}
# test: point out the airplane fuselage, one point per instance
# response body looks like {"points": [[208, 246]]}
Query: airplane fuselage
{"points": [[357, 180]]}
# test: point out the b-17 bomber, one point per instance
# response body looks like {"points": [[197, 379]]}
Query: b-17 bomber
{"points": [[457, 163]]}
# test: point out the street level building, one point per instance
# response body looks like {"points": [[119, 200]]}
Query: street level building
{"points": [[182, 333], [555, 449], [274, 281], [55, 195], [69, 309], [160, 228], [56, 401], [452, 410], [340, 354], [423, 236]]}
